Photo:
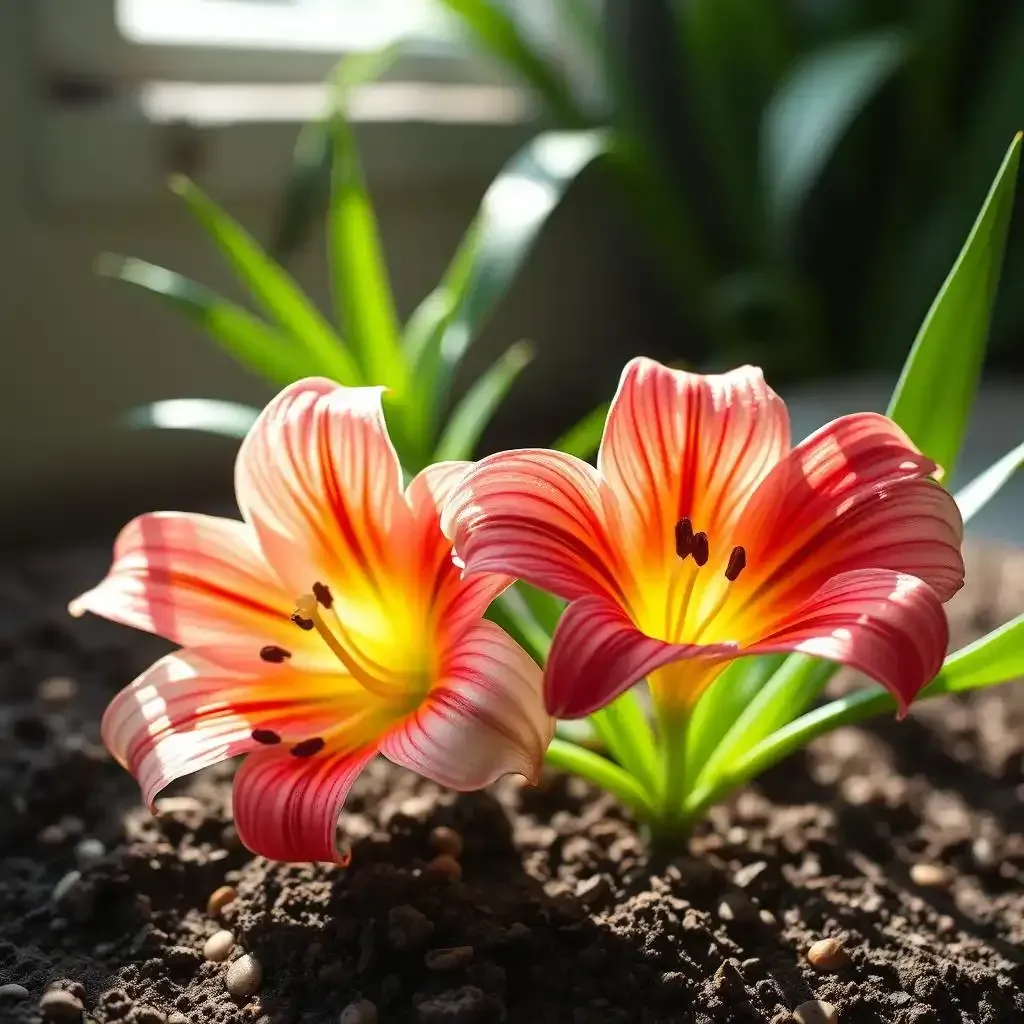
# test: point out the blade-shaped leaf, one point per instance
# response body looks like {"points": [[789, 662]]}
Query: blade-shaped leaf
{"points": [[206, 415], [514, 209], [972, 498], [248, 339], [272, 287], [933, 398], [583, 439], [471, 416], [495, 31], [812, 110]]}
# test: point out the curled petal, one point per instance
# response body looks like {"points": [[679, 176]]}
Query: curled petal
{"points": [[484, 719], [320, 481], [186, 712], [287, 807], [597, 654], [537, 515], [685, 445], [457, 601], [196, 580], [886, 624]]}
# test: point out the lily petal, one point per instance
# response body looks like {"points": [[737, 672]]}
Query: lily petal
{"points": [[597, 654], [886, 624], [537, 515], [484, 719], [319, 479], [185, 713], [286, 808], [684, 445], [457, 601], [196, 580]]}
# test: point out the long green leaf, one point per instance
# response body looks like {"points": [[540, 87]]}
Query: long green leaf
{"points": [[583, 439], [972, 498], [248, 339], [810, 113], [495, 31], [471, 416], [514, 209], [935, 393], [272, 287], [362, 288], [206, 415], [995, 658]]}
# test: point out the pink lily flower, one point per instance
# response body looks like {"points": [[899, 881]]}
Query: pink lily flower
{"points": [[330, 625], [702, 536]]}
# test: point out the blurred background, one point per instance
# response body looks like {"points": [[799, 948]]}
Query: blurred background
{"points": [[787, 182]]}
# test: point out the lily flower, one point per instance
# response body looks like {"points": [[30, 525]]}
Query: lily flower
{"points": [[702, 536], [330, 625]]}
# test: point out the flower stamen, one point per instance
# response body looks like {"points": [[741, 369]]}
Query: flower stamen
{"points": [[684, 538], [737, 563], [267, 737], [274, 654], [302, 622], [323, 595], [701, 550], [308, 748]]}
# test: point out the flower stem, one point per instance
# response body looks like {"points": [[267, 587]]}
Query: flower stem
{"points": [[673, 729], [602, 772]]}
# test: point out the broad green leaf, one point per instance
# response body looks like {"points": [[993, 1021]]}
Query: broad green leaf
{"points": [[995, 658], [933, 398], [600, 771], [513, 614], [811, 112], [625, 729], [721, 705], [514, 209], [206, 415], [248, 339], [584, 438], [272, 287], [362, 288], [495, 31], [545, 607], [470, 417], [972, 498]]}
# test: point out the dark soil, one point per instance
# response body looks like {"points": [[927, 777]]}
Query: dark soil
{"points": [[558, 915]]}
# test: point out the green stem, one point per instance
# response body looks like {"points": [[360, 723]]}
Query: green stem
{"points": [[673, 728], [600, 771]]}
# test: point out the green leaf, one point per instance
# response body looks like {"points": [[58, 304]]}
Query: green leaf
{"points": [[362, 288], [272, 287], [972, 498], [513, 614], [602, 772], [810, 113], [255, 344], [514, 209], [495, 31], [625, 730], [584, 438], [207, 415], [471, 416], [933, 399]]}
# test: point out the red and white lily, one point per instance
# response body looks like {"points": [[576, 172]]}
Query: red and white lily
{"points": [[330, 625], [702, 536]]}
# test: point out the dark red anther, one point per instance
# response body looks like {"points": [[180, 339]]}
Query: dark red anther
{"points": [[274, 654], [307, 748], [301, 622], [684, 538], [701, 551], [737, 562], [322, 594], [266, 736]]}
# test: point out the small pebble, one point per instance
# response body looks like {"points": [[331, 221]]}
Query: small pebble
{"points": [[177, 1017], [58, 690], [445, 840], [816, 1011], [461, 1004], [827, 955], [362, 1011], [219, 899], [930, 876], [984, 853], [13, 992], [737, 906], [445, 866], [178, 805], [88, 852], [66, 886], [218, 946], [408, 927], [52, 835], [452, 959], [229, 838], [244, 977], [592, 890], [767, 917], [60, 1005], [148, 1015], [747, 874]]}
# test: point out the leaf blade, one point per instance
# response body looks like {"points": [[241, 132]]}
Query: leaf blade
{"points": [[973, 497], [205, 415], [583, 438]]}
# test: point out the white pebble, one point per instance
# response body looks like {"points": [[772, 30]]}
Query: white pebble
{"points": [[244, 977], [13, 992], [218, 946], [88, 852]]}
